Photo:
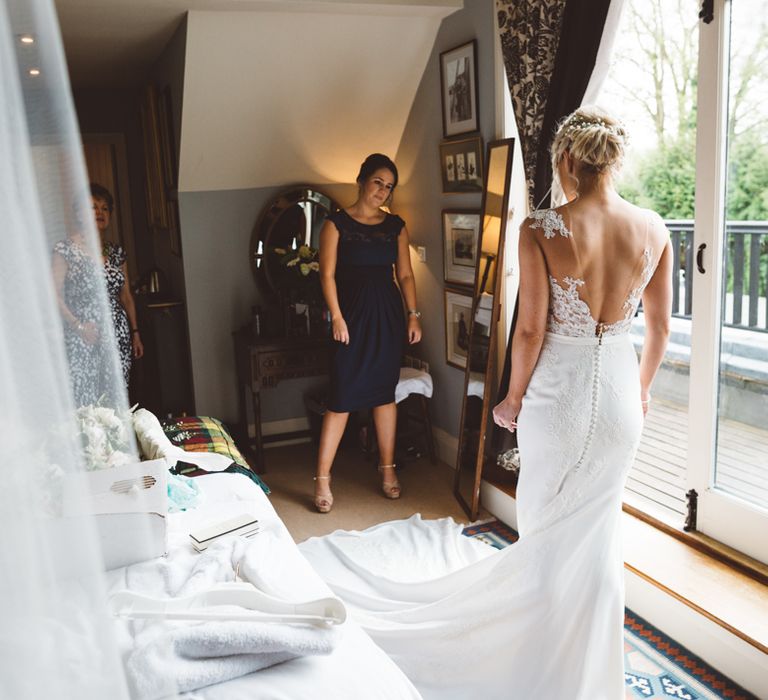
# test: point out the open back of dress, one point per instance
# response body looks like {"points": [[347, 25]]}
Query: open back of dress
{"points": [[592, 294]]}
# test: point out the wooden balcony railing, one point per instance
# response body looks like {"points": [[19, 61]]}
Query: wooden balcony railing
{"points": [[746, 266]]}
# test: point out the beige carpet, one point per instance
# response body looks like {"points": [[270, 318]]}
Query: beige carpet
{"points": [[358, 499]]}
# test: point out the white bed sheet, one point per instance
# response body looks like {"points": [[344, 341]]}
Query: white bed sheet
{"points": [[356, 669]]}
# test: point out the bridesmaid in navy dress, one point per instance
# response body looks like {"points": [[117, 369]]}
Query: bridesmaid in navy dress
{"points": [[358, 248]]}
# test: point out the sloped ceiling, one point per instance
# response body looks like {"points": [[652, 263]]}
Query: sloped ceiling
{"points": [[274, 98], [113, 43]]}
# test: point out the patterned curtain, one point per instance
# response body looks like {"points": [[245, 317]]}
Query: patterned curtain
{"points": [[549, 49], [530, 35]]}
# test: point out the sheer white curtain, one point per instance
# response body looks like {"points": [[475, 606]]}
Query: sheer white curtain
{"points": [[57, 639], [604, 53]]}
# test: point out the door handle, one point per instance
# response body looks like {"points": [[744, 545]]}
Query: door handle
{"points": [[700, 258]]}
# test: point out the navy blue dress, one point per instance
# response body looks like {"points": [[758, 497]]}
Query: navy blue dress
{"points": [[365, 373]]}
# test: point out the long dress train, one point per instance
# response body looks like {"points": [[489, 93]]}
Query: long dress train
{"points": [[543, 618]]}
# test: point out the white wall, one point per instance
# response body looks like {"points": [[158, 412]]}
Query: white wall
{"points": [[275, 98], [420, 201]]}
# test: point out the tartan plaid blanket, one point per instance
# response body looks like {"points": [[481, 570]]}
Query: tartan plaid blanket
{"points": [[206, 434]]}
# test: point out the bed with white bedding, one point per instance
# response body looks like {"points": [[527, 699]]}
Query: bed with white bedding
{"points": [[356, 668]]}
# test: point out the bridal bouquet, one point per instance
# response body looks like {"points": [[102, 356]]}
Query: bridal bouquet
{"points": [[106, 437]]}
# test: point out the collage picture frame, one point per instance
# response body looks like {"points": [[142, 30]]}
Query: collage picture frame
{"points": [[461, 165]]}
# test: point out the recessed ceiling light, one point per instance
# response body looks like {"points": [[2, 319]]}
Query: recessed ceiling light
{"points": [[34, 71], [27, 39]]}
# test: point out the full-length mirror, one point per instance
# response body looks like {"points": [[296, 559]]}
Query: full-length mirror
{"points": [[294, 218], [478, 378]]}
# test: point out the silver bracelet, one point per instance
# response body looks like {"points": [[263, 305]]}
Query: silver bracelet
{"points": [[414, 312]]}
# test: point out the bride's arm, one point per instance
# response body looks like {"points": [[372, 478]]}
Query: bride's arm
{"points": [[533, 302], [657, 309]]}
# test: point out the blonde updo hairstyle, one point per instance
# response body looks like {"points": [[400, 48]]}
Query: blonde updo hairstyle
{"points": [[593, 138]]}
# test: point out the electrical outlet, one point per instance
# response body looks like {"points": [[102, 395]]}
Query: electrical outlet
{"points": [[421, 251]]}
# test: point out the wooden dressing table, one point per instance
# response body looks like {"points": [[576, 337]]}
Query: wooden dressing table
{"points": [[293, 218], [261, 363]]}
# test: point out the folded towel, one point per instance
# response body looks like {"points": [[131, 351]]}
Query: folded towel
{"points": [[476, 385], [412, 381], [168, 657], [201, 654]]}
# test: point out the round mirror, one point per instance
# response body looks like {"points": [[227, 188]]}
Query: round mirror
{"points": [[292, 219]]}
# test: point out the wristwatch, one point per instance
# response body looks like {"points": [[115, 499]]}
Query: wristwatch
{"points": [[414, 312]]}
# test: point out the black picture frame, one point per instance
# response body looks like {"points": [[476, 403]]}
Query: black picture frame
{"points": [[461, 231], [458, 312], [458, 89], [461, 165]]}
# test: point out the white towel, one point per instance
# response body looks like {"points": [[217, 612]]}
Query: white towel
{"points": [[155, 444], [412, 381], [172, 657], [476, 385]]}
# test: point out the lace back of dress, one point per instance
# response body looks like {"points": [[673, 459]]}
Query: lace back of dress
{"points": [[569, 309]]}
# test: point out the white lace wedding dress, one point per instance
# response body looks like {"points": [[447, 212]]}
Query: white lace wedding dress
{"points": [[543, 618]]}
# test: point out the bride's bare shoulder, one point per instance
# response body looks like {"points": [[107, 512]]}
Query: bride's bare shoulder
{"points": [[655, 225], [642, 220]]}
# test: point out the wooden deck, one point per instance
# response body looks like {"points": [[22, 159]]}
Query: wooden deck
{"points": [[656, 482]]}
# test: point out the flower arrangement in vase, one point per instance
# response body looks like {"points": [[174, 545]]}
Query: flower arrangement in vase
{"points": [[300, 278]]}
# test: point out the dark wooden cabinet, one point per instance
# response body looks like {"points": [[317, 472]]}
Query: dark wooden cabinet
{"points": [[262, 363], [161, 381]]}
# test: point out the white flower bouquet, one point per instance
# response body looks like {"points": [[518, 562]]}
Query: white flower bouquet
{"points": [[106, 436]]}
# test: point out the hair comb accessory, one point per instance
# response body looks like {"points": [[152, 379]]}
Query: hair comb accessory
{"points": [[577, 123]]}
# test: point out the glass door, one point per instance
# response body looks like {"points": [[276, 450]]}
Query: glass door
{"points": [[694, 95], [729, 370], [651, 86]]}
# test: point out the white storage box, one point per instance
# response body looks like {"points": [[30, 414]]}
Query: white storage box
{"points": [[130, 503]]}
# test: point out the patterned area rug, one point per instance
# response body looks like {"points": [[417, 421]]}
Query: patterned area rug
{"points": [[655, 666]]}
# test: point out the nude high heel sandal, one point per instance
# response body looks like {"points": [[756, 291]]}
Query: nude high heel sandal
{"points": [[323, 501], [390, 488]]}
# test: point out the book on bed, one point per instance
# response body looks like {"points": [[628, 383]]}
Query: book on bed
{"points": [[241, 525]]}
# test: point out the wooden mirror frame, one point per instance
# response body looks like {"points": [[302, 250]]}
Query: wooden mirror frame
{"points": [[472, 506]]}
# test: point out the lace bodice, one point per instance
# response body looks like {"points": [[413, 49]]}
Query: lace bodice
{"points": [[568, 313], [366, 244]]}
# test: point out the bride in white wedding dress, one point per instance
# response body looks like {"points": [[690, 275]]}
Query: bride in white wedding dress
{"points": [[542, 619]]}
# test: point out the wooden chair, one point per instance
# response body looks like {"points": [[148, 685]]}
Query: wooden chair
{"points": [[413, 391]]}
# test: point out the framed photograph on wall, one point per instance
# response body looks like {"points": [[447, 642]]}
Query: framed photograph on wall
{"points": [[458, 89], [458, 312], [461, 165], [461, 228]]}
